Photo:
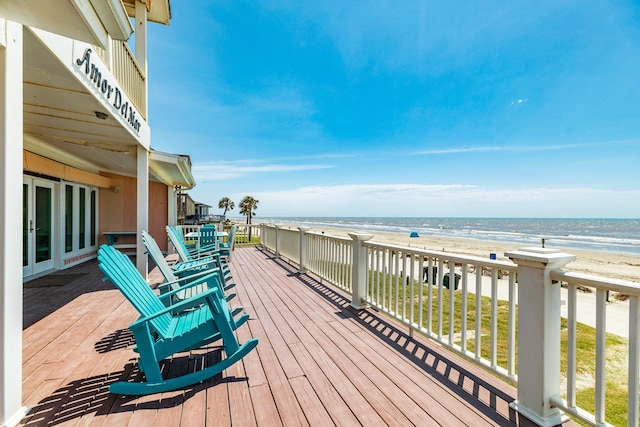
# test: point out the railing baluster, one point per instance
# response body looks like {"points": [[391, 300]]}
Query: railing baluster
{"points": [[571, 344], [494, 317], [430, 296], [412, 268], [452, 300], [511, 362], [634, 362], [393, 278], [463, 303], [478, 322], [420, 290], [440, 296], [404, 285], [601, 347]]}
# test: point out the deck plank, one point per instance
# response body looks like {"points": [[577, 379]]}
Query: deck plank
{"points": [[319, 362]]}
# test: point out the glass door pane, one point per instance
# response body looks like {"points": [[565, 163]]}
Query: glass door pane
{"points": [[68, 218], [43, 213], [82, 212]]}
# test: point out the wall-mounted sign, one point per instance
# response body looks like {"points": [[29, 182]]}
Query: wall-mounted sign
{"points": [[97, 75]]}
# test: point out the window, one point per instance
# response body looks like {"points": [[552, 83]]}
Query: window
{"points": [[82, 216], [68, 218], [93, 218]]}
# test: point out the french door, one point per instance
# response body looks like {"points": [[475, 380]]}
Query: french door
{"points": [[37, 226]]}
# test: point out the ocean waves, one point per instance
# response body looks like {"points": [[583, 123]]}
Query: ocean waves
{"points": [[610, 235]]}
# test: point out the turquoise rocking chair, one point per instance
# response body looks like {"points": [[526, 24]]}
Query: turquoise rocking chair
{"points": [[164, 331]]}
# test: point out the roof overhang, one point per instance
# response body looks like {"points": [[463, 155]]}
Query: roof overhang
{"points": [[171, 169], [158, 11], [91, 21]]}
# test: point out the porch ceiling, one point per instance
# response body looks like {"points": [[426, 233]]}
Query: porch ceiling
{"points": [[60, 119]]}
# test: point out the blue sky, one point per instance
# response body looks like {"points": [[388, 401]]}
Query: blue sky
{"points": [[411, 108]]}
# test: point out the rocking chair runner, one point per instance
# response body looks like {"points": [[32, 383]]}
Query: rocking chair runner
{"points": [[163, 331]]}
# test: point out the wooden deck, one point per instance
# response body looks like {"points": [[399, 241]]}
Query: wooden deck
{"points": [[318, 362]]}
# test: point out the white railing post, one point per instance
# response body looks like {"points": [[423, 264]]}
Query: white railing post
{"points": [[359, 270], [277, 248], [539, 333], [303, 249], [262, 234]]}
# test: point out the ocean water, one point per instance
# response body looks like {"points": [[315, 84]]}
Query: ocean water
{"points": [[610, 235]]}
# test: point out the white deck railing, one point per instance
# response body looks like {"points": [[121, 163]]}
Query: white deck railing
{"points": [[330, 258], [125, 68], [602, 286], [411, 286], [418, 288]]}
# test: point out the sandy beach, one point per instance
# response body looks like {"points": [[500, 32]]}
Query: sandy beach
{"points": [[607, 264]]}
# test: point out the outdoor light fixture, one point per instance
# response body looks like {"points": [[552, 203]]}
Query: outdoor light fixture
{"points": [[101, 115], [115, 189]]}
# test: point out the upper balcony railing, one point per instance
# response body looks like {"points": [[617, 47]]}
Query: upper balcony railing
{"points": [[127, 71], [506, 316]]}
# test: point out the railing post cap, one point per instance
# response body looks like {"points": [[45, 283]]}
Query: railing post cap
{"points": [[541, 255], [304, 228], [361, 236]]}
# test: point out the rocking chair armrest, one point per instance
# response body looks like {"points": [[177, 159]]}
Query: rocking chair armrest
{"points": [[193, 275], [198, 278], [196, 264], [193, 302], [204, 248], [166, 289], [205, 253]]}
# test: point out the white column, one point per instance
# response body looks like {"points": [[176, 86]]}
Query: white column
{"points": [[359, 270], [303, 249], [142, 209], [172, 206], [141, 50], [11, 134], [538, 333], [172, 214]]}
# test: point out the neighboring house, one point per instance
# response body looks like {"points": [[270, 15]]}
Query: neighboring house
{"points": [[75, 147], [202, 210], [192, 212], [186, 207]]}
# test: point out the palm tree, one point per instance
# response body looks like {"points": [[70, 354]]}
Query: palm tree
{"points": [[226, 204], [247, 206]]}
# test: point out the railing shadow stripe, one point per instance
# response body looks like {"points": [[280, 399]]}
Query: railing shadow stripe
{"points": [[415, 351]]}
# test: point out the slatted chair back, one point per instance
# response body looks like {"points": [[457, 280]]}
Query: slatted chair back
{"points": [[208, 235], [178, 244], [158, 257], [227, 248], [232, 237], [119, 269], [179, 232]]}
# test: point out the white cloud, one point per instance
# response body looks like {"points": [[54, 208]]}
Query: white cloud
{"points": [[228, 170], [525, 148]]}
